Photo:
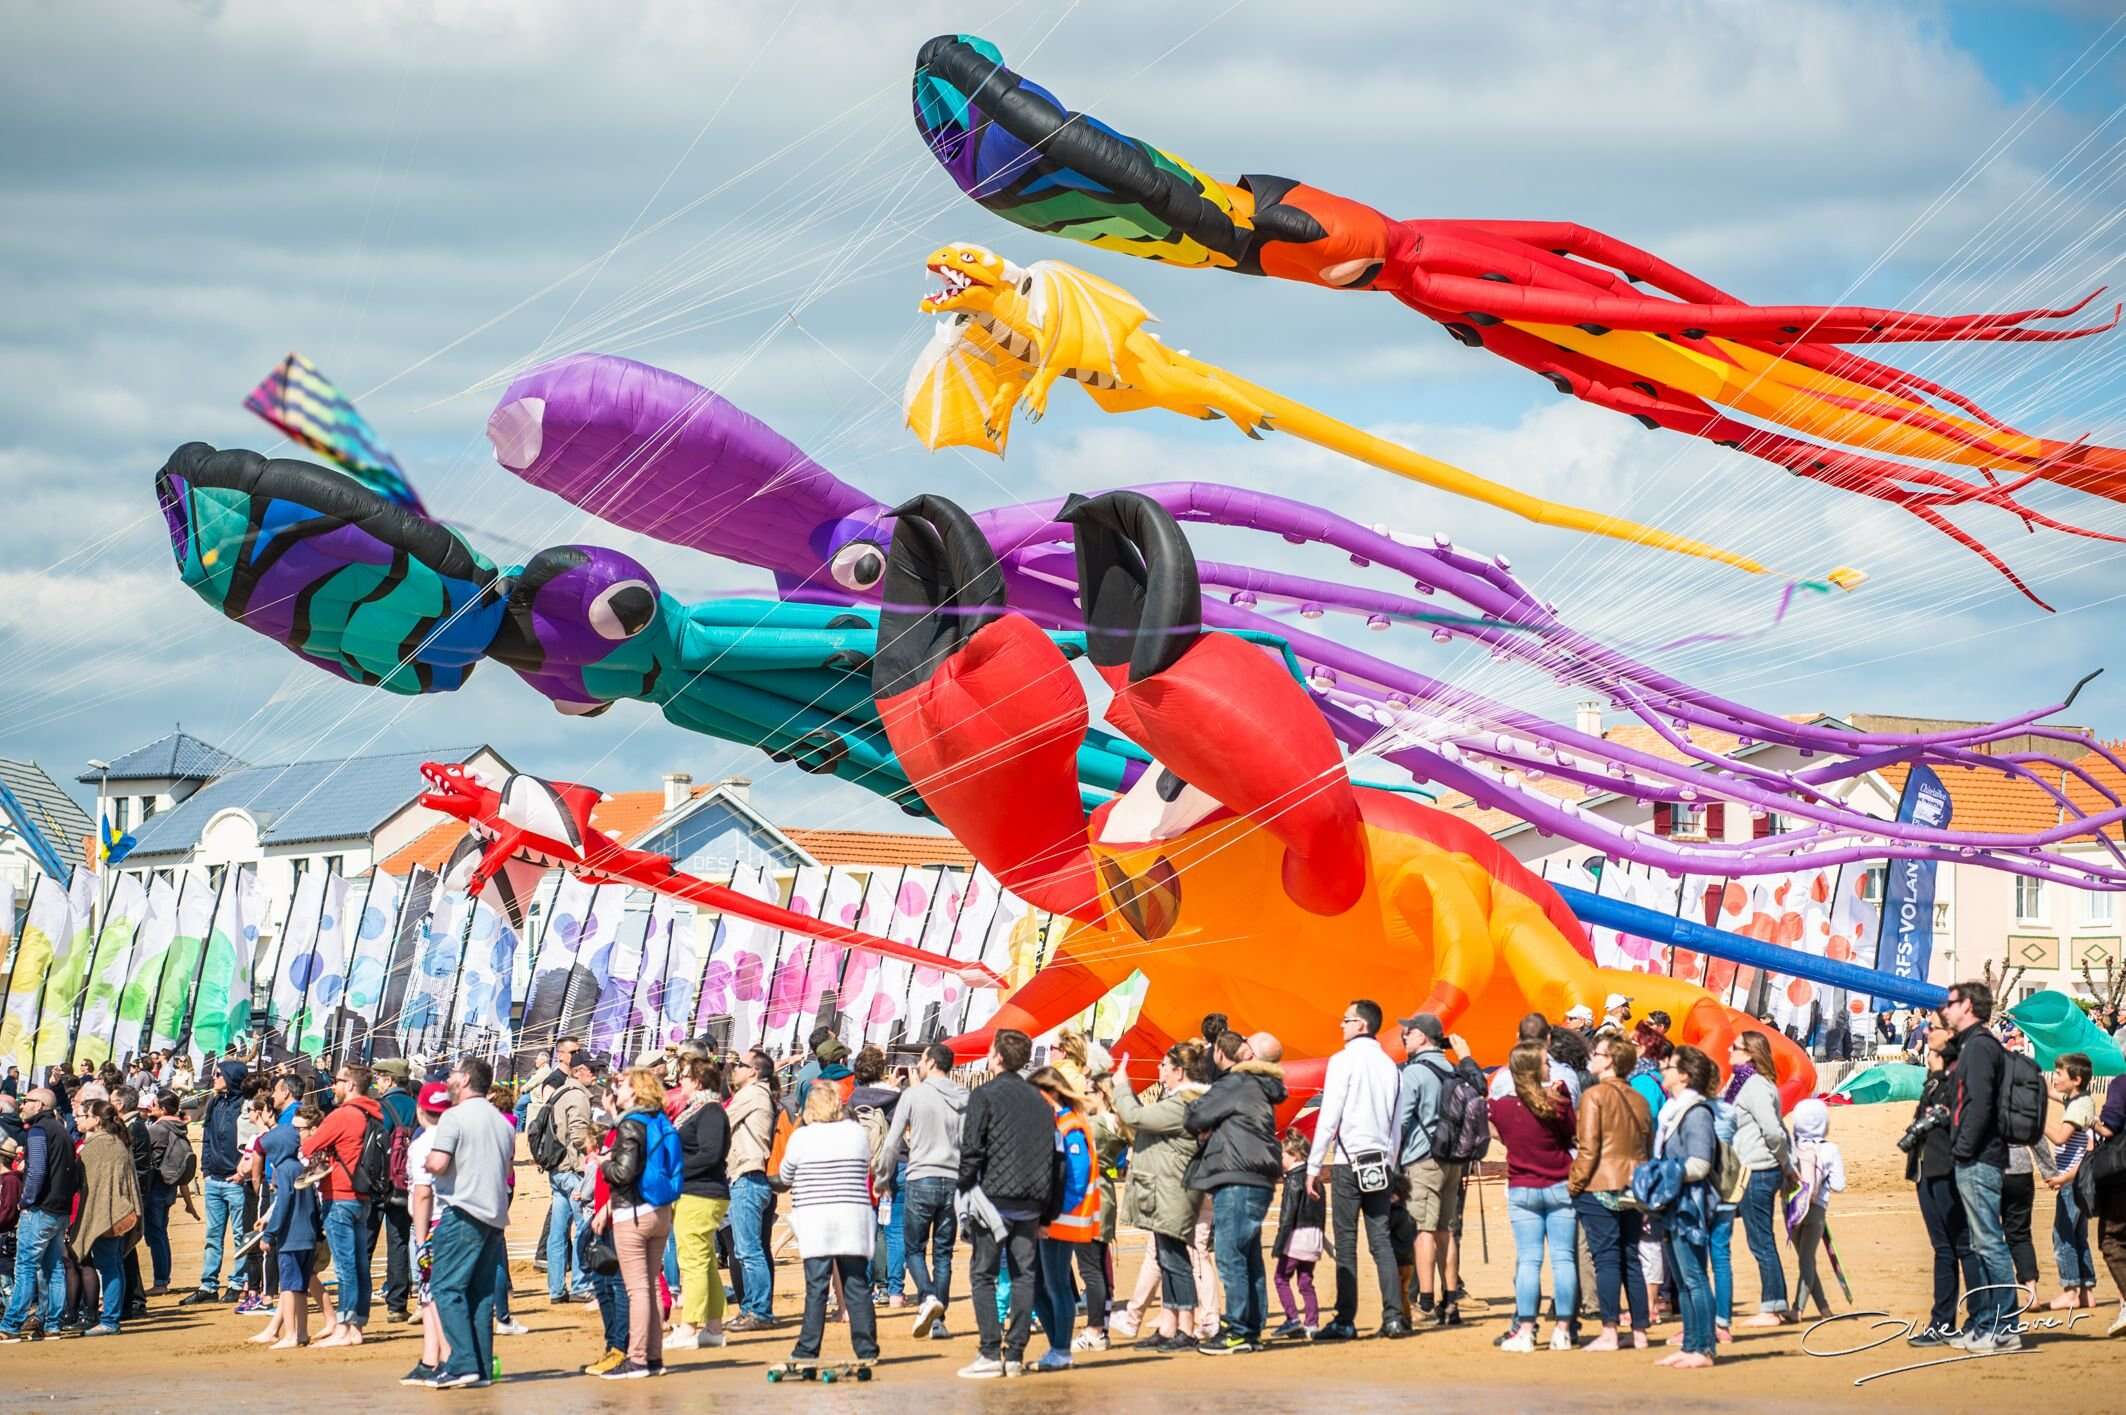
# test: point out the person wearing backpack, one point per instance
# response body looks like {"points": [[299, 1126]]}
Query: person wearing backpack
{"points": [[645, 1171], [1238, 1163], [559, 1137], [1615, 1134], [1980, 1150], [357, 1143], [51, 1179], [1430, 1078], [389, 1214]]}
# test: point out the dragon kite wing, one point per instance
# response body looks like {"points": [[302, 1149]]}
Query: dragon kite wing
{"points": [[1081, 321], [952, 386], [299, 400], [1560, 300]]}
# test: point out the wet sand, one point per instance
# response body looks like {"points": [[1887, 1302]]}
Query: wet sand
{"points": [[197, 1359]]}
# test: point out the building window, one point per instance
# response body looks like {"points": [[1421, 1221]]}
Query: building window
{"points": [[121, 812], [2029, 898], [147, 809], [1689, 820], [336, 865], [1871, 883], [2096, 906]]}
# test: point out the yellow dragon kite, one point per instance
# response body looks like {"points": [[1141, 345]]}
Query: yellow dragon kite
{"points": [[1013, 331]]}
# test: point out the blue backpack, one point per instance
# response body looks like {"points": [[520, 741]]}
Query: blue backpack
{"points": [[645, 1166]]}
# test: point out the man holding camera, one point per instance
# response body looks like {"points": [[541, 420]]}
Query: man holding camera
{"points": [[1931, 1166], [1981, 1155]]}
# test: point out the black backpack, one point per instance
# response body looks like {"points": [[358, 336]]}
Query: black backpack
{"points": [[2019, 1105], [371, 1174], [1462, 1132], [548, 1150]]}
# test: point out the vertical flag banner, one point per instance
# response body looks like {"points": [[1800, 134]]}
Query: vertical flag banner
{"points": [[370, 957], [603, 918], [1012, 927], [927, 987], [171, 1010], [736, 982], [682, 969], [298, 941], [1906, 944], [7, 943], [1855, 923], [381, 1037], [63, 982], [860, 980], [618, 970], [151, 944], [481, 1016], [437, 958], [322, 977], [646, 1007], [221, 1007], [1633, 884], [879, 1007], [42, 928], [559, 943], [108, 969]]}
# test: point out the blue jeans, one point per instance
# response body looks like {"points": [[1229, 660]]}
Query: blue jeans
{"points": [[1694, 1293], [1055, 1296], [750, 1200], [1612, 1239], [1993, 1302], [156, 1223], [347, 1234], [2070, 1241], [108, 1255], [889, 1254], [927, 1216], [225, 1213], [1543, 1219], [1720, 1252], [1758, 1202], [464, 1257], [40, 1257], [562, 1221], [1236, 1242], [611, 1293]]}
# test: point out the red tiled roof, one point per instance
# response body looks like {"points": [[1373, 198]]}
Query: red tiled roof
{"points": [[1988, 801], [880, 847]]}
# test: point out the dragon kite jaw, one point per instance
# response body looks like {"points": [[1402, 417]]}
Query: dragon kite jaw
{"points": [[522, 827], [964, 269]]}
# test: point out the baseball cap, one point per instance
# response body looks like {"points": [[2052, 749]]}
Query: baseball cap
{"points": [[392, 1067], [1427, 1023], [434, 1096], [1580, 1013], [1614, 1001]]}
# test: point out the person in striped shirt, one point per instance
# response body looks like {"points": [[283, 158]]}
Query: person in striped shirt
{"points": [[827, 1169], [2067, 1129]]}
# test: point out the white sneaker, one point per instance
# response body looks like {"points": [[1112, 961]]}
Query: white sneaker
{"points": [[1014, 1368], [705, 1339], [1560, 1338], [982, 1368], [1971, 1341], [1523, 1339], [512, 1328], [688, 1340], [2118, 1323], [2008, 1341], [1123, 1324], [926, 1316], [1053, 1361], [1091, 1339]]}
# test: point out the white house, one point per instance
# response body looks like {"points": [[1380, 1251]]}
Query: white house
{"points": [[50, 812]]}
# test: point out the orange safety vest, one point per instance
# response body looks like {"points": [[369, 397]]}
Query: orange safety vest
{"points": [[1081, 1222]]}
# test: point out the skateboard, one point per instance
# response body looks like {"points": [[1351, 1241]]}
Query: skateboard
{"points": [[825, 1372]]}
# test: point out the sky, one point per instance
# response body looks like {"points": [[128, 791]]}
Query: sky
{"points": [[425, 198]]}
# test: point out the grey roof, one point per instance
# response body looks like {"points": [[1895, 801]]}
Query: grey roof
{"points": [[176, 757], [300, 801], [57, 816]]}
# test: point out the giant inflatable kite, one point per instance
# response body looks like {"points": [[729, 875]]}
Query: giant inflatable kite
{"points": [[1556, 298], [1012, 334]]}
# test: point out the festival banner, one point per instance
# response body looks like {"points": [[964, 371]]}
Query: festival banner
{"points": [[1632, 884], [874, 1009], [1013, 935], [602, 921], [1856, 921], [369, 961], [619, 969], [170, 1011], [221, 1003], [42, 928], [480, 1017], [298, 941], [151, 944], [109, 965], [812, 979], [63, 981], [646, 1008], [734, 985], [560, 945], [7, 942], [319, 977], [980, 896], [1905, 944], [437, 957], [682, 974], [380, 1036], [928, 988]]}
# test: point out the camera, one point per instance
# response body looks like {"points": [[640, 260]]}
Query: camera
{"points": [[1932, 1118]]}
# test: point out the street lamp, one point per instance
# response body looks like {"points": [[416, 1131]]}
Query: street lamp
{"points": [[103, 795]]}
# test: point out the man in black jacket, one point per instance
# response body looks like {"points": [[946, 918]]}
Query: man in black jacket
{"points": [[1008, 1151], [1238, 1164], [1981, 1156], [51, 1177], [217, 1170], [1932, 1168]]}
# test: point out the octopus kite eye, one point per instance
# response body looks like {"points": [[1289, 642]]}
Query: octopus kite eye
{"points": [[858, 565], [624, 610]]}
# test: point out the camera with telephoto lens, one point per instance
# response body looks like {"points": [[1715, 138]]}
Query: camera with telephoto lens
{"points": [[1933, 1117]]}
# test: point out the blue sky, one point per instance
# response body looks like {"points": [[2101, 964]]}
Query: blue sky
{"points": [[421, 203]]}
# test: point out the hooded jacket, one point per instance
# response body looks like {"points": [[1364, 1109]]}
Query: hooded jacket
{"points": [[1235, 1125], [218, 1150], [340, 1133], [294, 1223], [1158, 1196], [928, 1119]]}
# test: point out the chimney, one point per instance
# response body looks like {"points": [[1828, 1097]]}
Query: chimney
{"points": [[738, 788], [676, 789], [1587, 719]]}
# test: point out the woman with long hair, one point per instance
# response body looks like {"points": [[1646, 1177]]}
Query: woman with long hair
{"points": [[1158, 1198], [1760, 1142], [1536, 1124], [704, 1199], [107, 1221], [1686, 1134], [643, 1170], [1074, 1237]]}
